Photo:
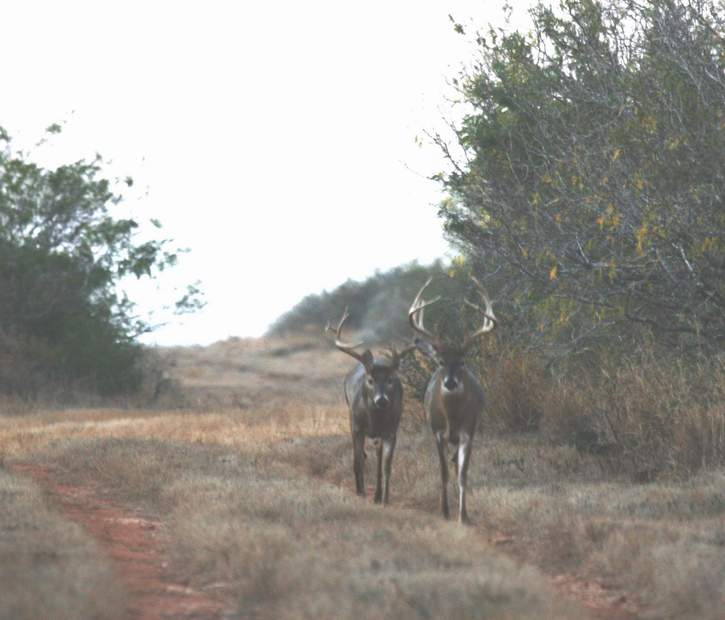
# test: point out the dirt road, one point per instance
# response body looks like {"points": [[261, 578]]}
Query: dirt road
{"points": [[135, 546]]}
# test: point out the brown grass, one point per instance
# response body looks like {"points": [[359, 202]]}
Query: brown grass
{"points": [[659, 543], [515, 383], [653, 419], [259, 505], [245, 373], [283, 545], [48, 567]]}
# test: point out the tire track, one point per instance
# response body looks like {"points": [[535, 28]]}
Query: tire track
{"points": [[133, 544]]}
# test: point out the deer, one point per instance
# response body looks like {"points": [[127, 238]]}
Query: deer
{"points": [[454, 398], [374, 396]]}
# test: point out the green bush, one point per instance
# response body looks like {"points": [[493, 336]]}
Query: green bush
{"points": [[62, 256], [593, 174]]}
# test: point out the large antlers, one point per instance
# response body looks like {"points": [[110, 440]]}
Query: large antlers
{"points": [[416, 313], [366, 357], [489, 318], [346, 347]]}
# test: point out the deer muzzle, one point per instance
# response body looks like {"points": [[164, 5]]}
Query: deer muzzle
{"points": [[381, 401]]}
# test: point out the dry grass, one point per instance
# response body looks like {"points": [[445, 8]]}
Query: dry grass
{"points": [[259, 505], [245, 373], [660, 542], [516, 384], [283, 545], [48, 567], [654, 419]]}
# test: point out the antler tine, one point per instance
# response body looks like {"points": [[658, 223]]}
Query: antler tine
{"points": [[420, 292], [488, 315], [345, 347], [489, 318], [415, 314]]}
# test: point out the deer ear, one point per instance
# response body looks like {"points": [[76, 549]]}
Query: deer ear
{"points": [[367, 359]]}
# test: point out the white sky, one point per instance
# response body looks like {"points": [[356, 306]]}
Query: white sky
{"points": [[274, 139]]}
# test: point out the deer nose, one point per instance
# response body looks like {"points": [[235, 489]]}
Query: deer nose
{"points": [[450, 383], [381, 401]]}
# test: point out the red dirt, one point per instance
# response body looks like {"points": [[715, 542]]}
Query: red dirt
{"points": [[134, 547]]}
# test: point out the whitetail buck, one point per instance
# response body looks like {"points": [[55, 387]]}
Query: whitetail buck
{"points": [[374, 396], [454, 397]]}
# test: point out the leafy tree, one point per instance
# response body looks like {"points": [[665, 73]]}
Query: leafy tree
{"points": [[592, 173], [62, 255]]}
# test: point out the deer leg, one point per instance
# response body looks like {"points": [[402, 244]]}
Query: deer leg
{"points": [[358, 455], [442, 455], [464, 458], [454, 460], [378, 482], [388, 450]]}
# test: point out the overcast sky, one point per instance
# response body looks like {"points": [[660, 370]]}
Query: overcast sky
{"points": [[276, 140]]}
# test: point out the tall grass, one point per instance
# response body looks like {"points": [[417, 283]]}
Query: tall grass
{"points": [[649, 416]]}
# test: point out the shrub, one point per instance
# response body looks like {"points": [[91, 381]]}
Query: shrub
{"points": [[514, 385], [591, 169], [649, 416], [62, 257]]}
